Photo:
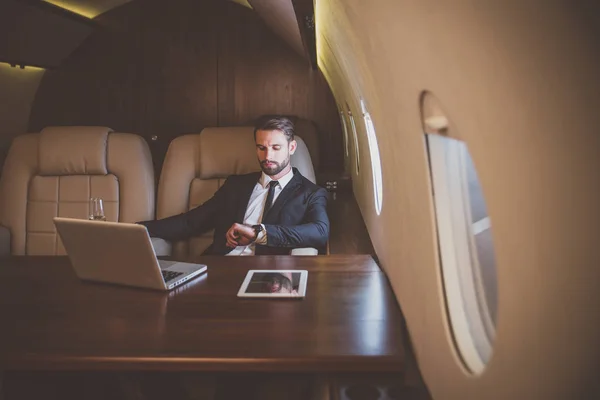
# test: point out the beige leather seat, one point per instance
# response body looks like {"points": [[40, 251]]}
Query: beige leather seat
{"points": [[307, 130], [196, 165], [55, 172]]}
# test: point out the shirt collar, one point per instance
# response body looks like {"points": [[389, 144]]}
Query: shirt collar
{"points": [[284, 180]]}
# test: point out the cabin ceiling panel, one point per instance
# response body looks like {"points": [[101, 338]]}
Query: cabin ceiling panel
{"points": [[243, 3], [88, 8], [279, 15], [305, 16], [93, 8], [50, 28], [32, 36]]}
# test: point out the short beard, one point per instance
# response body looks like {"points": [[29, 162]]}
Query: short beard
{"points": [[276, 169]]}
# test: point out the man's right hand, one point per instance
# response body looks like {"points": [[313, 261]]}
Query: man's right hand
{"points": [[239, 235]]}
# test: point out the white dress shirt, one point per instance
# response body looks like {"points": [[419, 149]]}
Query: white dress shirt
{"points": [[255, 209]]}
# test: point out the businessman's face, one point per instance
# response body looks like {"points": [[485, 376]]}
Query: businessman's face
{"points": [[274, 151]]}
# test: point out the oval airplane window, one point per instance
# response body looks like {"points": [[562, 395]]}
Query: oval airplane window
{"points": [[375, 159], [355, 136], [345, 129], [465, 243]]}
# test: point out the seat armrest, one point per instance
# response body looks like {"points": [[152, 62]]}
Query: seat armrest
{"points": [[161, 247], [305, 251], [4, 241]]}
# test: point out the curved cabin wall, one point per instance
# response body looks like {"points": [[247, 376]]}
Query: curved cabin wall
{"points": [[168, 68], [520, 82]]}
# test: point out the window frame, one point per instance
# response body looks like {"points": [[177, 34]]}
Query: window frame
{"points": [[345, 130], [355, 137], [469, 319], [375, 160]]}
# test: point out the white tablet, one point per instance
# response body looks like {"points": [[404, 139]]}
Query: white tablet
{"points": [[274, 283]]}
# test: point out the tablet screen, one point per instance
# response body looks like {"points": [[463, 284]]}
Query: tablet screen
{"points": [[274, 283]]}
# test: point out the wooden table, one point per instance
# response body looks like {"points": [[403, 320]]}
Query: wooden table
{"points": [[349, 320]]}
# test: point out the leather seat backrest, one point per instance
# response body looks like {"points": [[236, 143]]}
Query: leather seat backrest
{"points": [[56, 172], [196, 165], [307, 130]]}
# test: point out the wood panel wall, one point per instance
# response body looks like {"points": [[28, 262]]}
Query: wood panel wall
{"points": [[169, 68], [17, 91]]}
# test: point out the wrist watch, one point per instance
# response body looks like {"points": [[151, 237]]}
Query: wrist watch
{"points": [[257, 229]]}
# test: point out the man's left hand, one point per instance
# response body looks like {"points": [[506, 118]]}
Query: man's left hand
{"points": [[240, 235]]}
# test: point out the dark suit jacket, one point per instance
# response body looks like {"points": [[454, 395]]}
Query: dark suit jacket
{"points": [[298, 218]]}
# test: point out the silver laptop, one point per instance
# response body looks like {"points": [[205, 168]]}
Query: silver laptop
{"points": [[120, 253]]}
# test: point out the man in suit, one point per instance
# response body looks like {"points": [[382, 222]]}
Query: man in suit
{"points": [[268, 212]]}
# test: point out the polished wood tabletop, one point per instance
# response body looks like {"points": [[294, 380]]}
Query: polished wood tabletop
{"points": [[348, 321]]}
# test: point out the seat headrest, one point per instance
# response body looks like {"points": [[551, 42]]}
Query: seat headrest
{"points": [[73, 150], [308, 131], [225, 151]]}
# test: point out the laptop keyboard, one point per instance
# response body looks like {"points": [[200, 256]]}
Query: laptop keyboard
{"points": [[168, 275]]}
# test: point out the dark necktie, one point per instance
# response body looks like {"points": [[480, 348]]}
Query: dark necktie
{"points": [[270, 196]]}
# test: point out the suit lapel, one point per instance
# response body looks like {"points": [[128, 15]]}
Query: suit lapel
{"points": [[244, 193], [286, 194]]}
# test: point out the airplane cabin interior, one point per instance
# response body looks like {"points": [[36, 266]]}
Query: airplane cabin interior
{"points": [[458, 145]]}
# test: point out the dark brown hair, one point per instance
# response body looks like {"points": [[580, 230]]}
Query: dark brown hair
{"points": [[275, 122]]}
